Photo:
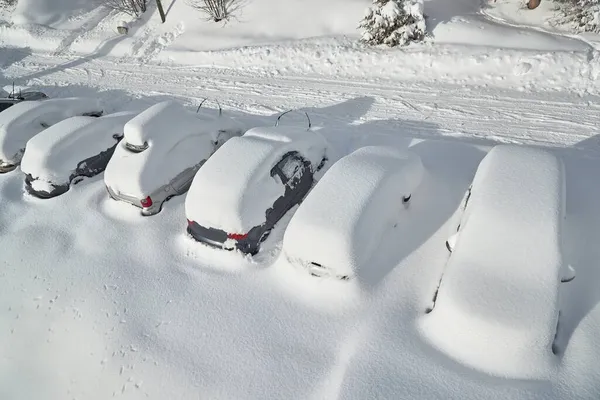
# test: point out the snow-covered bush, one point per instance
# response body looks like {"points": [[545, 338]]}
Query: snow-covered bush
{"points": [[218, 10], [393, 22], [582, 15], [130, 7], [7, 3]]}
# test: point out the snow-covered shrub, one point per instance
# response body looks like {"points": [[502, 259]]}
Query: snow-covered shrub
{"points": [[218, 10], [7, 3], [130, 7], [393, 22], [581, 15]]}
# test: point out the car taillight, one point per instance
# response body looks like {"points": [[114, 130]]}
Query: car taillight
{"points": [[190, 222], [237, 236], [147, 202]]}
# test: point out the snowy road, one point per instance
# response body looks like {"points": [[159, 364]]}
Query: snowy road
{"points": [[547, 119]]}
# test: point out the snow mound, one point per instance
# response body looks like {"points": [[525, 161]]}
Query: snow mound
{"points": [[245, 164], [24, 120], [497, 305], [341, 221], [53, 154]]}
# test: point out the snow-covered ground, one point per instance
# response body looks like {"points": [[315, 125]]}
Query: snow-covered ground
{"points": [[99, 302]]}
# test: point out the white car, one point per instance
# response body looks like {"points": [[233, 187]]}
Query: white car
{"points": [[74, 148], [338, 227], [499, 293], [163, 148], [26, 119], [243, 190]]}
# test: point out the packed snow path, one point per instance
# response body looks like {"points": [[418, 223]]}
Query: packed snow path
{"points": [[507, 116]]}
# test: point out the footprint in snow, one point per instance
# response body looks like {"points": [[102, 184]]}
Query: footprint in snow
{"points": [[523, 68]]}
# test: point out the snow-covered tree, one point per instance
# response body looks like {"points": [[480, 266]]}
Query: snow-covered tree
{"points": [[582, 15], [7, 3], [393, 22]]}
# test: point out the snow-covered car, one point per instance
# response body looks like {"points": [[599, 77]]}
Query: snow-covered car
{"points": [[163, 148], [242, 191], [499, 292], [16, 97], [74, 148], [26, 119], [339, 225]]}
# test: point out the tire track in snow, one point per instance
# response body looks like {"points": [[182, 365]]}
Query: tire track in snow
{"points": [[548, 119]]}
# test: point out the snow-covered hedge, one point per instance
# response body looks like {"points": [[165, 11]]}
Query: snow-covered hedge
{"points": [[582, 15], [393, 22]]}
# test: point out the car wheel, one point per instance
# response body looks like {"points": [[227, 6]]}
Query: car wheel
{"points": [[265, 235]]}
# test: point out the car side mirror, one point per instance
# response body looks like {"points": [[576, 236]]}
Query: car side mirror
{"points": [[568, 274], [451, 242]]}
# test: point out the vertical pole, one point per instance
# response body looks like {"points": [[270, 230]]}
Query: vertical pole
{"points": [[163, 17]]}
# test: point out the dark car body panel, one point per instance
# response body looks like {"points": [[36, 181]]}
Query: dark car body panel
{"points": [[13, 99], [89, 167]]}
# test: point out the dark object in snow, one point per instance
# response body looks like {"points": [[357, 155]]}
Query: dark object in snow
{"points": [[14, 98]]}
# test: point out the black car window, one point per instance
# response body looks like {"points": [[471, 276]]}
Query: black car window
{"points": [[289, 167], [5, 105]]}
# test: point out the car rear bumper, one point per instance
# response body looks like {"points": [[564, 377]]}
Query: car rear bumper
{"points": [[218, 239], [7, 167], [134, 201]]}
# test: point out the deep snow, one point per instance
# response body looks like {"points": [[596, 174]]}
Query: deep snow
{"points": [[100, 302]]}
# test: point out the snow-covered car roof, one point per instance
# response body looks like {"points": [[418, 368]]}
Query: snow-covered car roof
{"points": [[140, 174], [170, 121], [499, 291], [236, 179], [54, 153], [342, 219], [177, 139], [24, 120]]}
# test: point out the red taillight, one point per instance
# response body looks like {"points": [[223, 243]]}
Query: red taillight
{"points": [[190, 222], [147, 202], [237, 236]]}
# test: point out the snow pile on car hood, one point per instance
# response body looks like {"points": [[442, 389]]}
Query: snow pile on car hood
{"points": [[497, 305], [26, 119], [342, 219], [234, 189], [53, 154]]}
